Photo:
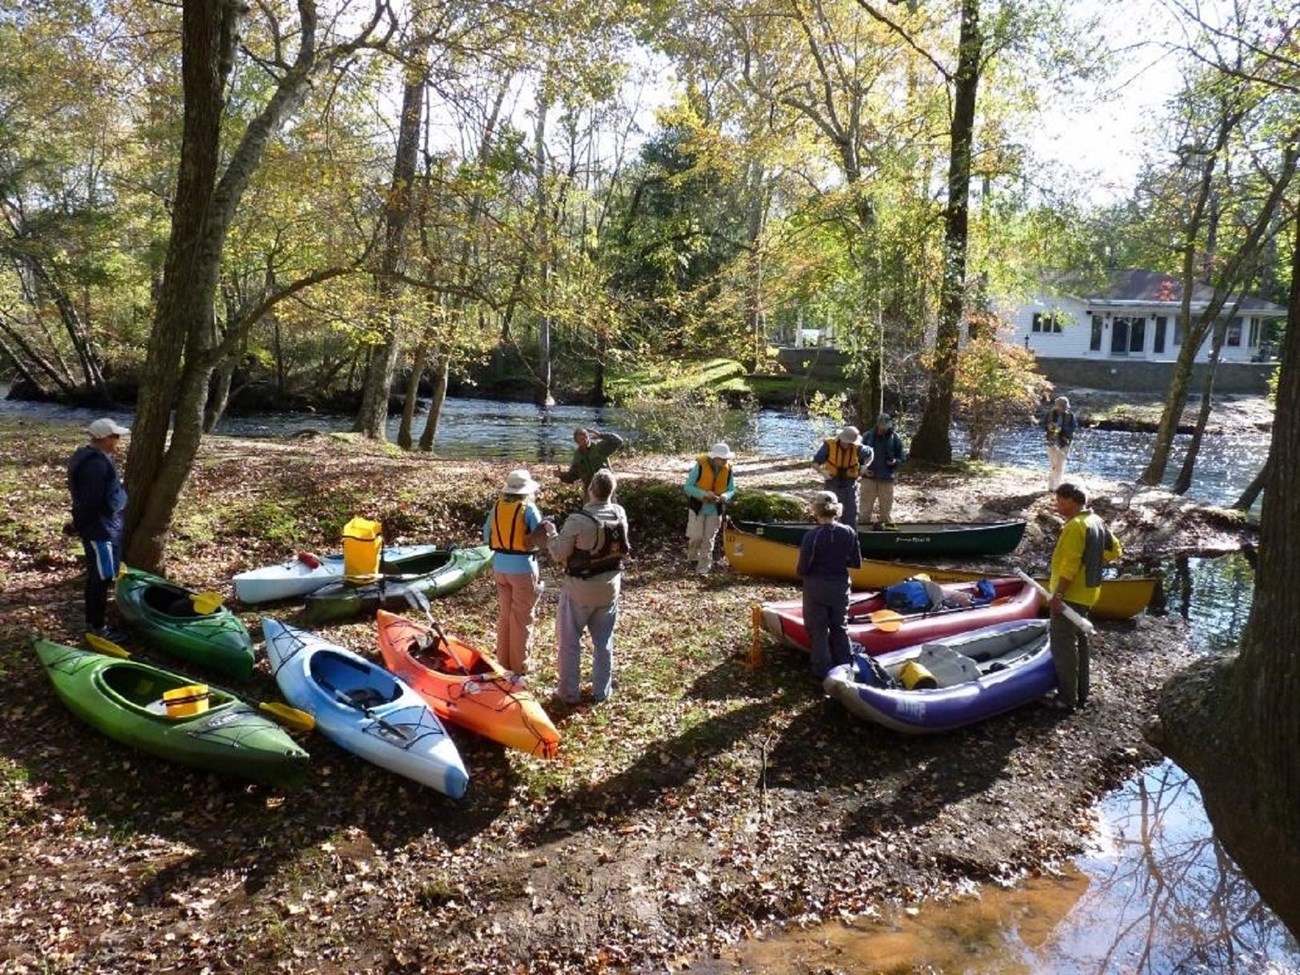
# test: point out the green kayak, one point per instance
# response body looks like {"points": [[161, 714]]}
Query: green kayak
{"points": [[436, 574], [124, 700], [168, 618], [955, 539]]}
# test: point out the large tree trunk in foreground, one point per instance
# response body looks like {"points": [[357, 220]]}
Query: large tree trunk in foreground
{"points": [[933, 440], [1233, 723]]}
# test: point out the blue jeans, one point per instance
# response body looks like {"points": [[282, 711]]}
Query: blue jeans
{"points": [[571, 618]]}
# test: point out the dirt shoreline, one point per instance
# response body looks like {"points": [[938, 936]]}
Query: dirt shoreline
{"points": [[706, 802]]}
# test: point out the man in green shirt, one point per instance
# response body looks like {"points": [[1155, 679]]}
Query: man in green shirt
{"points": [[594, 448]]}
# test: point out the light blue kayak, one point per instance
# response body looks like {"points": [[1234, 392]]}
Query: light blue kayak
{"points": [[305, 573], [363, 708]]}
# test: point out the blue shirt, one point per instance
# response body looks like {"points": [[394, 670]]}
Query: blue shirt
{"points": [[887, 446], [709, 507], [829, 550], [98, 498]]}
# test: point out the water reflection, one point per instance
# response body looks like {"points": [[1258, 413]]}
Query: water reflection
{"points": [[1213, 595]]}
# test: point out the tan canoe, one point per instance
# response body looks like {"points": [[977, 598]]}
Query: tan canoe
{"points": [[754, 555]]}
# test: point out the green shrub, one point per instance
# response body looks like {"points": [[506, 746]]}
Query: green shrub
{"points": [[766, 506]]}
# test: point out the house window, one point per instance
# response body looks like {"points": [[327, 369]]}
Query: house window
{"points": [[1127, 335], [1233, 340], [1180, 330], [1158, 344], [1095, 344], [1045, 323], [1252, 341]]}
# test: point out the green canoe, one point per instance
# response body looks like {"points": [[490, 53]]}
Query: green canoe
{"points": [[952, 539], [166, 617], [436, 574], [124, 700]]}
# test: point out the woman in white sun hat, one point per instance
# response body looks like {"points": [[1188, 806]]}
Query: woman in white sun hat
{"points": [[709, 485], [515, 531]]}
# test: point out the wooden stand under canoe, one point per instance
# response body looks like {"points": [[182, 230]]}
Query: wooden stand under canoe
{"points": [[757, 555]]}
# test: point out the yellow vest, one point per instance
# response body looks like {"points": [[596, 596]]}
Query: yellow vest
{"points": [[509, 530], [841, 460], [710, 480]]}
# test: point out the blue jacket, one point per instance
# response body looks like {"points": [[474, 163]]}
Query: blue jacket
{"points": [[887, 446], [98, 498]]}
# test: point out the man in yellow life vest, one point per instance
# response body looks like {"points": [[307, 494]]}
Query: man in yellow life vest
{"points": [[710, 484], [515, 531], [1086, 543], [844, 459]]}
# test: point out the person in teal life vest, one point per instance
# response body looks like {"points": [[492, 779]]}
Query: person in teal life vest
{"points": [[515, 531], [826, 555], [1060, 426], [592, 454], [878, 477], [1085, 545], [843, 459], [591, 546], [98, 504], [710, 484]]}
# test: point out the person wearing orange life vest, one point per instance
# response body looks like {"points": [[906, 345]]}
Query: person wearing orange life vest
{"points": [[710, 484], [515, 530], [844, 459]]}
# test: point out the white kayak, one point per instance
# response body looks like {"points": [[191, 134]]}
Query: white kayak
{"points": [[305, 573], [363, 708]]}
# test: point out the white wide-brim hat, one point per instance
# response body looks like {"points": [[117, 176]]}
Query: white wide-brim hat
{"points": [[520, 482], [850, 436], [721, 451]]}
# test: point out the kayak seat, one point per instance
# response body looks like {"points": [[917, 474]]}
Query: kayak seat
{"points": [[365, 697], [169, 600]]}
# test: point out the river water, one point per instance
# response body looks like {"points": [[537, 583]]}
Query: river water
{"points": [[1155, 896], [527, 433]]}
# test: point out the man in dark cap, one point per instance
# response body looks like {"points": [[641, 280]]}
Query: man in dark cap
{"points": [[878, 477]]}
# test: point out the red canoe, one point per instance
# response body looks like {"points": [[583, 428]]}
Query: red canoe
{"points": [[879, 629]]}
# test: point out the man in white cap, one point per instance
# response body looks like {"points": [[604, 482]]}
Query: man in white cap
{"points": [[98, 503], [515, 530], [878, 476], [1060, 425], [710, 484], [843, 459]]}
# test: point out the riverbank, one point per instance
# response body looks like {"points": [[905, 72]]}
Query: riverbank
{"points": [[703, 803]]}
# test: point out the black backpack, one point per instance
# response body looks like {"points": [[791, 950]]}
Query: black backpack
{"points": [[611, 548]]}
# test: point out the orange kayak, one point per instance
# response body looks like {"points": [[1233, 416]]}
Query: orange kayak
{"points": [[464, 686]]}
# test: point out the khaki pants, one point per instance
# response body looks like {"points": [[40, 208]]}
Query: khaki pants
{"points": [[1056, 457], [701, 532], [517, 595], [874, 488]]}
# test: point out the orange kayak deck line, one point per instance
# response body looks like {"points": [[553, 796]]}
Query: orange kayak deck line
{"points": [[750, 554], [466, 687]]}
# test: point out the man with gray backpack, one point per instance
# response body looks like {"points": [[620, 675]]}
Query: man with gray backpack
{"points": [[591, 547]]}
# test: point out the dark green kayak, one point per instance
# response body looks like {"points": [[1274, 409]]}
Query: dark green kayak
{"points": [[436, 574], [952, 539], [166, 617], [124, 700]]}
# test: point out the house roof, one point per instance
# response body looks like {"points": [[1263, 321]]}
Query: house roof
{"points": [[1145, 287]]}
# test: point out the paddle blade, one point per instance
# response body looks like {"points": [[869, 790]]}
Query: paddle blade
{"points": [[105, 646], [292, 718], [886, 620], [206, 602]]}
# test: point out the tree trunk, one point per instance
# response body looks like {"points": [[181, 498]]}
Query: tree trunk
{"points": [[441, 365], [1184, 479], [933, 439], [545, 397], [372, 415], [1253, 489], [412, 398], [218, 395], [1233, 723], [158, 469]]}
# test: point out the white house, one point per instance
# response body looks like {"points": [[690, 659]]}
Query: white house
{"points": [[1135, 315]]}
